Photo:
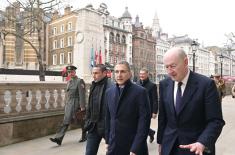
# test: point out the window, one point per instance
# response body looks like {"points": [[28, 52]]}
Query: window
{"points": [[54, 61], [62, 29], [61, 43], [123, 39], [118, 38], [55, 44], [61, 58], [111, 37], [70, 42], [69, 57], [54, 31], [70, 26]]}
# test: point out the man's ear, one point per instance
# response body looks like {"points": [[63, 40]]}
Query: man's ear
{"points": [[186, 61]]}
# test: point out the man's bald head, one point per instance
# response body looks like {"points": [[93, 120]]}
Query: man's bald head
{"points": [[176, 63]]}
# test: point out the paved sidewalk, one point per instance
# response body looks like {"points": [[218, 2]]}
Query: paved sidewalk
{"points": [[70, 145]]}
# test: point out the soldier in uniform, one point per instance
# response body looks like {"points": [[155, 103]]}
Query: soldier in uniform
{"points": [[75, 102], [220, 84]]}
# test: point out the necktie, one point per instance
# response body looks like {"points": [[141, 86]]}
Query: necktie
{"points": [[178, 98], [120, 91]]}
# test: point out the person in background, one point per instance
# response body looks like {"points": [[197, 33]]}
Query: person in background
{"points": [[233, 91], [220, 84], [75, 102], [190, 117], [95, 115], [151, 87], [128, 115]]}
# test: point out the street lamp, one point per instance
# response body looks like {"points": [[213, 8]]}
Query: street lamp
{"points": [[221, 65], [194, 45]]}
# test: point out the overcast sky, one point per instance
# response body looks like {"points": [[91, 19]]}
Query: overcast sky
{"points": [[205, 20]]}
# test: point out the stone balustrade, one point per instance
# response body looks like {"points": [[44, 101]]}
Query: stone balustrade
{"points": [[30, 109], [24, 99]]}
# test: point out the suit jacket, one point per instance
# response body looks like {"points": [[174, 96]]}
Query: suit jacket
{"points": [[127, 120], [200, 117], [152, 92]]}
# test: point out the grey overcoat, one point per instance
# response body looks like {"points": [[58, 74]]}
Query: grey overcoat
{"points": [[75, 99]]}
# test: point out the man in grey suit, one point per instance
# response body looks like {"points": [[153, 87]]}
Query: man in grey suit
{"points": [[75, 102], [190, 116]]}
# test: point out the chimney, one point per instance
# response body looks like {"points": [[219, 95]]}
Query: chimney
{"points": [[55, 15], [67, 10]]}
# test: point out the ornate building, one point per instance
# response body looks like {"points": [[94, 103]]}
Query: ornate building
{"points": [[88, 36], [118, 38], [144, 50]]}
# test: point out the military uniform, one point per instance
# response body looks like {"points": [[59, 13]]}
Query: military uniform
{"points": [[75, 101]]}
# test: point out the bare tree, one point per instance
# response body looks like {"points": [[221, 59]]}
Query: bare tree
{"points": [[27, 21]]}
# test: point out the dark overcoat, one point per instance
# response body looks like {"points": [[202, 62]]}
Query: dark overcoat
{"points": [[152, 92], [127, 120]]}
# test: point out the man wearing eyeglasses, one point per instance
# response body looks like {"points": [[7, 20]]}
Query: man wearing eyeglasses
{"points": [[75, 102], [128, 115]]}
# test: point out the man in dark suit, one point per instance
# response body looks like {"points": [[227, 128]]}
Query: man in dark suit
{"points": [[151, 88], [128, 115], [190, 116]]}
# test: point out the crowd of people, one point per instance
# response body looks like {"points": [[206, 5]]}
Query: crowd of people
{"points": [[188, 107]]}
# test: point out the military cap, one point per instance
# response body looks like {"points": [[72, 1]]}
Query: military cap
{"points": [[71, 67]]}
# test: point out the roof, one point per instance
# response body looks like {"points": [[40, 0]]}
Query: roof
{"points": [[126, 14]]}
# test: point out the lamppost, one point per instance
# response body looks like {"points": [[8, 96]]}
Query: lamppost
{"points": [[194, 46], [221, 65]]}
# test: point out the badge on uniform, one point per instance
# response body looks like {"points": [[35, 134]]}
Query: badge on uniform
{"points": [[83, 86]]}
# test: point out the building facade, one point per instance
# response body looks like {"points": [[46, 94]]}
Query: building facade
{"points": [[118, 38], [21, 38], [144, 50], [77, 38]]}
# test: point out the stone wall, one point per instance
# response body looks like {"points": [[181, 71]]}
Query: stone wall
{"points": [[30, 110]]}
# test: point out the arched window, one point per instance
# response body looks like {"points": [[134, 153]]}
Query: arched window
{"points": [[117, 38], [123, 39], [111, 37]]}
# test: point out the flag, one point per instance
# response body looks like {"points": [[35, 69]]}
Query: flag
{"points": [[100, 57], [92, 61], [96, 57]]}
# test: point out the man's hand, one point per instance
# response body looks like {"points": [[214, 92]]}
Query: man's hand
{"points": [[197, 148], [106, 147], [131, 153], [83, 109], [159, 149], [154, 115]]}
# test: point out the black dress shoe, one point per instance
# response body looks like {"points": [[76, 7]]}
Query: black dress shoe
{"points": [[82, 140], [55, 140], [151, 137]]}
